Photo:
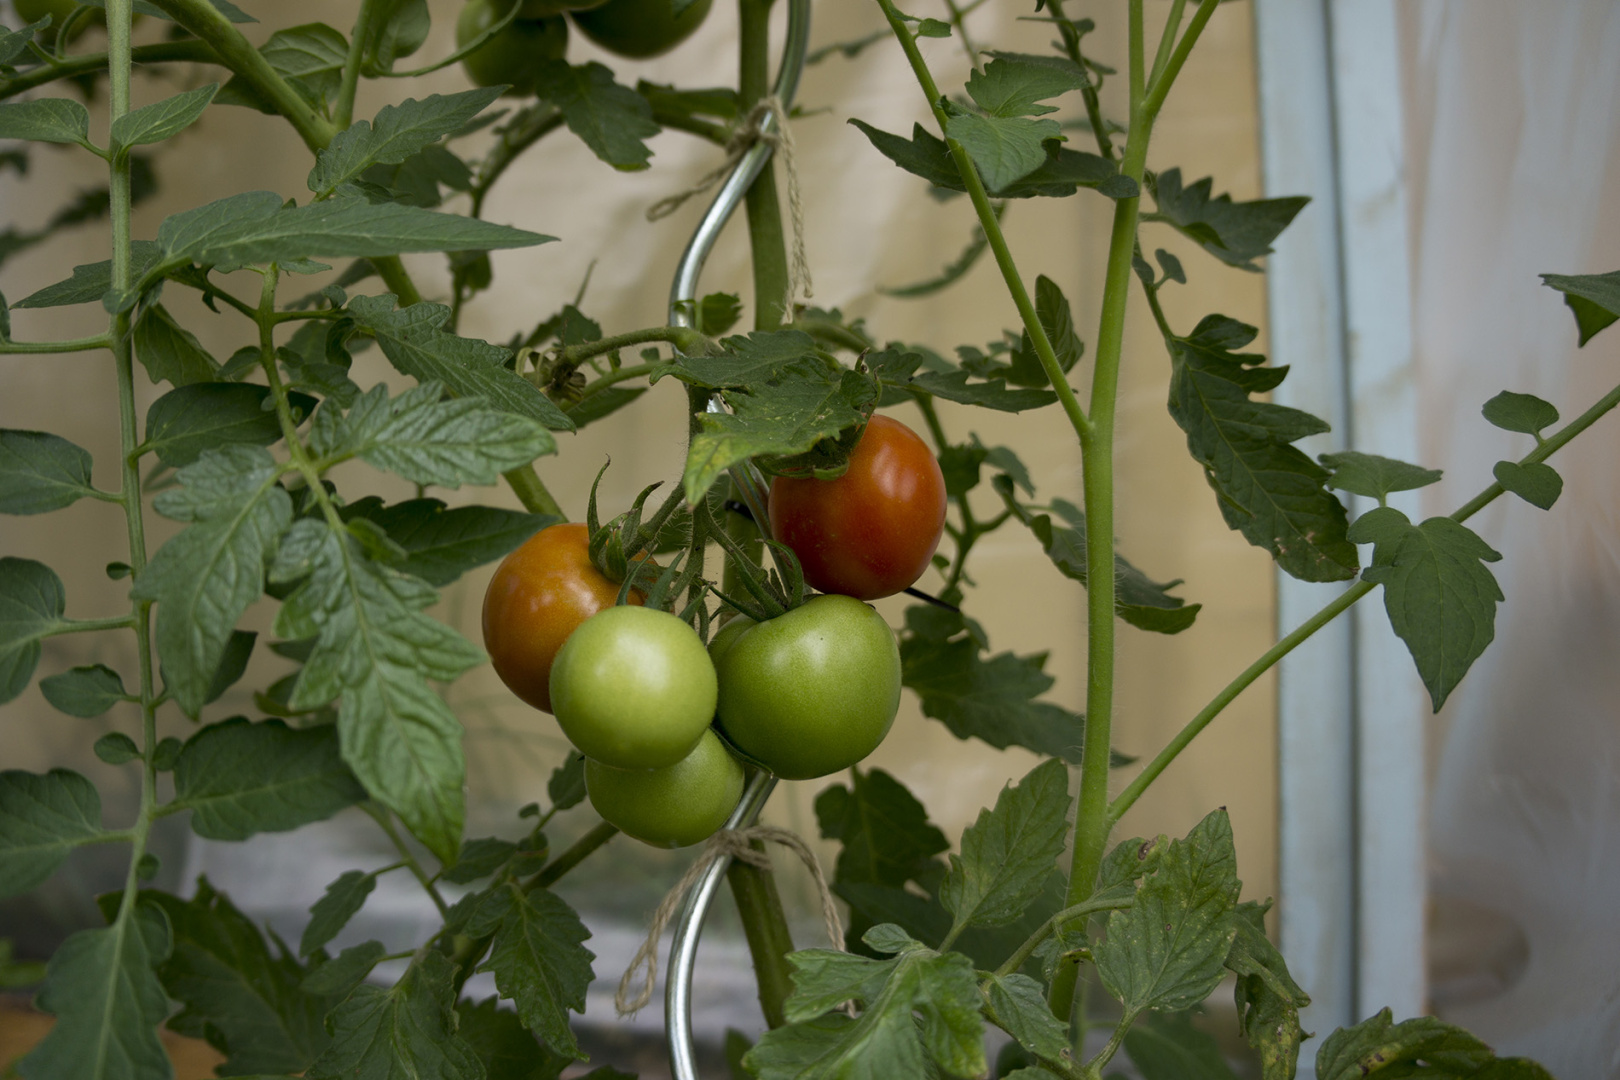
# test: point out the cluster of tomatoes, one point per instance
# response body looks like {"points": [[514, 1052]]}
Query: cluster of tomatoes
{"points": [[633, 28], [664, 721]]}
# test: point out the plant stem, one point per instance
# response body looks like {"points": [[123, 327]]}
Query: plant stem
{"points": [[1332, 610], [620, 375], [769, 940], [992, 230], [1049, 927], [199, 52], [684, 339], [1088, 93], [343, 114], [385, 822], [98, 341], [1093, 1068], [119, 13], [533, 494], [767, 243], [577, 852]]}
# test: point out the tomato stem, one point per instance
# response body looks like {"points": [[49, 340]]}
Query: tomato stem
{"points": [[766, 241]]}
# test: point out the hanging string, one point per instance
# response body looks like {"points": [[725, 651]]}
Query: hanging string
{"points": [[743, 136], [735, 844]]}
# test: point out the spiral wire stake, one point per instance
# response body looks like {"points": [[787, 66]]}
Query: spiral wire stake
{"points": [[751, 485]]}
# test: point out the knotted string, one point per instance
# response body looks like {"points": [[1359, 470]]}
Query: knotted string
{"points": [[743, 136], [737, 844]]}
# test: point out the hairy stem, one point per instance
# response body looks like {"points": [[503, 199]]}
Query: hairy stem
{"points": [[767, 243], [197, 52], [343, 114], [769, 942], [553, 871]]}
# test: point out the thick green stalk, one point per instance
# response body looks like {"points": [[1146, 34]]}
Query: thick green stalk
{"points": [[767, 242], [24, 348], [769, 942], [118, 66], [343, 114]]}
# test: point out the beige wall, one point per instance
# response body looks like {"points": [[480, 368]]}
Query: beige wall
{"points": [[868, 224]]}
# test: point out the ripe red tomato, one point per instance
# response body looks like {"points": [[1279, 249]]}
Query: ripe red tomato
{"points": [[872, 531], [539, 595]]}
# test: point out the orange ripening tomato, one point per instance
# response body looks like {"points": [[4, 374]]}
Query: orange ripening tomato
{"points": [[539, 595], [871, 532]]}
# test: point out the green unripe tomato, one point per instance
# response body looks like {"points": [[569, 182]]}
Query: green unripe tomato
{"points": [[513, 54], [810, 692], [640, 29], [633, 688], [727, 636], [540, 9], [677, 805]]}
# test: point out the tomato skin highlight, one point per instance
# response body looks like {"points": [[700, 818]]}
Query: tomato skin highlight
{"points": [[633, 688], [540, 594], [810, 692], [871, 532], [671, 807]]}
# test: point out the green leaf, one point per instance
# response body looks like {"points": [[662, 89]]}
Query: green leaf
{"points": [[479, 859], [1267, 489], [1374, 476], [310, 56], [254, 227], [1063, 172], [920, 1006], [1013, 87], [787, 415], [338, 976], [886, 836], [1008, 853], [1378, 1045], [415, 344], [116, 748], [163, 119], [989, 393], [992, 700], [240, 778], [406, 1030], [718, 312], [566, 788], [427, 440], [1536, 483], [541, 964], [748, 360], [185, 422], [1236, 233], [91, 281], [108, 1003], [84, 691], [51, 120], [611, 119], [1168, 950], [31, 607], [40, 472], [978, 243], [377, 648], [332, 912], [1594, 298], [443, 543], [1440, 596], [206, 576], [397, 133], [1052, 310], [508, 1050], [1170, 1048], [42, 818], [1003, 148], [170, 352], [399, 30], [1020, 1007], [239, 995], [1139, 600], [1268, 1000], [238, 651], [1521, 412]]}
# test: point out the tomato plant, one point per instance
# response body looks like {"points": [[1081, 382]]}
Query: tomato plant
{"points": [[287, 581], [640, 29], [674, 806], [31, 11], [871, 532], [539, 595], [812, 691], [633, 688], [512, 55]]}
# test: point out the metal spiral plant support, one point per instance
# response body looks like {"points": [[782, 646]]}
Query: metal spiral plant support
{"points": [[751, 485]]}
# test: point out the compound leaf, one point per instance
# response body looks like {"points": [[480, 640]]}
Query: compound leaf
{"points": [[406, 1030], [240, 778], [612, 120], [31, 606], [1375, 476], [1008, 852], [42, 818], [40, 472], [1593, 298], [1236, 233], [442, 543], [541, 964], [84, 691], [394, 135]]}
